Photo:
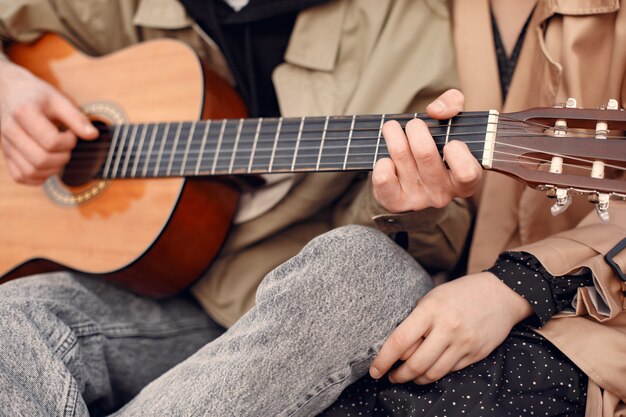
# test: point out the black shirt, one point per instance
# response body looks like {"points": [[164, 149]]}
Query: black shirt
{"points": [[253, 41]]}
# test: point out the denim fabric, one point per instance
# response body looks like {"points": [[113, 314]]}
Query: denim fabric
{"points": [[70, 345]]}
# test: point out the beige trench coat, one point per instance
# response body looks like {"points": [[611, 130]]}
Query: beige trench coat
{"points": [[573, 48], [345, 57]]}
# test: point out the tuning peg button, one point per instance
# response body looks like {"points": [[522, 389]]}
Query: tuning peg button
{"points": [[563, 201], [571, 103], [556, 165]]}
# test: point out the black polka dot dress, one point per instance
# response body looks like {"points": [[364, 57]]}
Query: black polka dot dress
{"points": [[525, 376]]}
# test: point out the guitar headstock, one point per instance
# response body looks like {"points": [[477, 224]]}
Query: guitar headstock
{"points": [[565, 150]]}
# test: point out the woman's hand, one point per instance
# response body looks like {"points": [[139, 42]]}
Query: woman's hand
{"points": [[416, 177], [31, 112], [456, 324]]}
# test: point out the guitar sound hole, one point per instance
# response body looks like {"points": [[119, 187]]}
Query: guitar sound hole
{"points": [[87, 158]]}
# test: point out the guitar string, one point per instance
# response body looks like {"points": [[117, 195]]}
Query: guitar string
{"points": [[371, 118], [569, 129], [181, 152], [354, 166], [251, 130], [283, 168], [524, 160], [298, 121], [507, 133], [272, 133], [386, 154], [100, 146], [544, 126]]}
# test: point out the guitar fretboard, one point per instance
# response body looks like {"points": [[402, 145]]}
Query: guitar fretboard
{"points": [[266, 145]]}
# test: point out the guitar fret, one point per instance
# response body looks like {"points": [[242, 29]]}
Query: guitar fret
{"points": [[295, 153], [111, 151], [144, 171], [173, 151], [204, 136], [319, 155], [335, 145], [186, 155], [232, 158], [129, 153], [161, 149], [380, 133], [120, 152], [219, 145], [138, 157], [447, 137], [254, 144], [264, 143], [345, 160], [280, 124]]}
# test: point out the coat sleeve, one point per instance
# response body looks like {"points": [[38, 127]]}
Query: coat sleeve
{"points": [[434, 237], [94, 27], [585, 247]]}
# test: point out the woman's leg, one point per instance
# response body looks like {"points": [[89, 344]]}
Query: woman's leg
{"points": [[525, 376]]}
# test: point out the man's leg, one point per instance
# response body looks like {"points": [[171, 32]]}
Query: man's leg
{"points": [[69, 344], [318, 322]]}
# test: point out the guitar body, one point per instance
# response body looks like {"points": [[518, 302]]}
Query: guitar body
{"points": [[153, 236]]}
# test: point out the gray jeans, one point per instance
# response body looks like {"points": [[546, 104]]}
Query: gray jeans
{"points": [[72, 345]]}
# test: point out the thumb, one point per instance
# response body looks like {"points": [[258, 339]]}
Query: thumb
{"points": [[447, 105], [62, 110]]}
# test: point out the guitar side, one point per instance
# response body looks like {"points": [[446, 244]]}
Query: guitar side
{"points": [[153, 236]]}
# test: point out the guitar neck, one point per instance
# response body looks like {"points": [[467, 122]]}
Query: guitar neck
{"points": [[266, 145]]}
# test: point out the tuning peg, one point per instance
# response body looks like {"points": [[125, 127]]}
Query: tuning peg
{"points": [[556, 165], [602, 129], [602, 207], [560, 127], [601, 200], [563, 201]]}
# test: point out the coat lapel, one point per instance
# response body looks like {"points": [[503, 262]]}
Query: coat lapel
{"points": [[475, 54]]}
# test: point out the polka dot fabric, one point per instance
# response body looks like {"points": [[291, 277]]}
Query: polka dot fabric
{"points": [[525, 376], [547, 294]]}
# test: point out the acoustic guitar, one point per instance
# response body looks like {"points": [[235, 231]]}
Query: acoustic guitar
{"points": [[148, 204]]}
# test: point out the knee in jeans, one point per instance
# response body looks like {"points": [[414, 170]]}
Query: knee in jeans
{"points": [[352, 240], [351, 264], [368, 257]]}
